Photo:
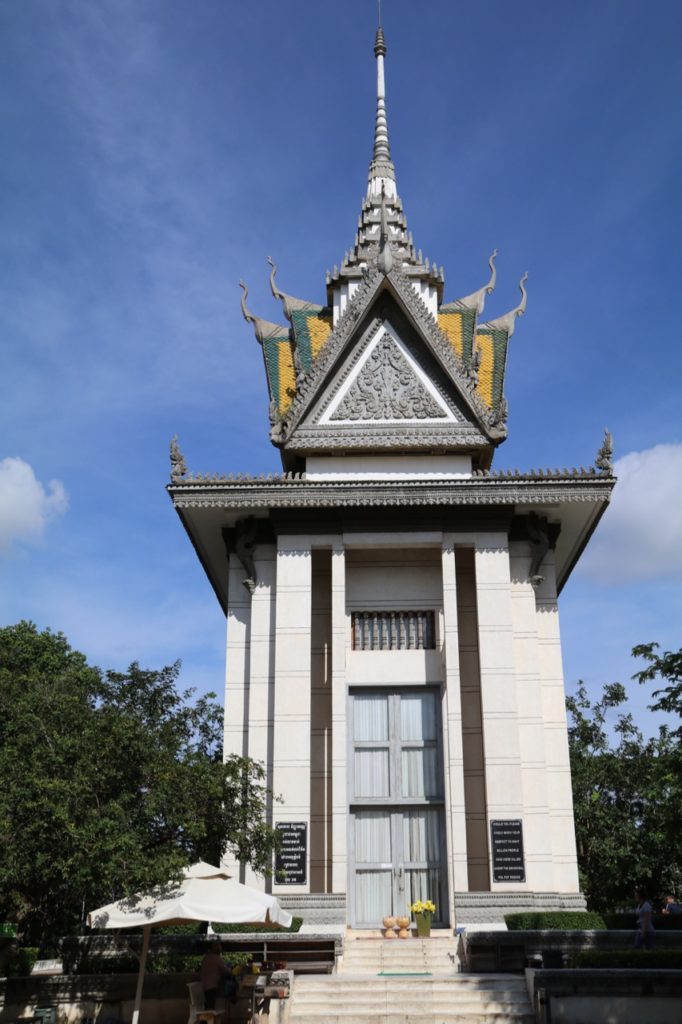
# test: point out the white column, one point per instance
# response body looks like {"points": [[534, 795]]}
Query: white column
{"points": [[339, 704], [261, 674], [560, 793], [532, 741], [291, 740], [236, 675], [504, 793], [454, 752]]}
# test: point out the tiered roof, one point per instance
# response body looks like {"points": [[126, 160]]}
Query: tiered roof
{"points": [[384, 246]]}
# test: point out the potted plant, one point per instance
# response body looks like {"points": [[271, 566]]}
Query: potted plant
{"points": [[423, 911]]}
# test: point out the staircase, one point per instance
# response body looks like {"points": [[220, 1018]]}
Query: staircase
{"points": [[436, 956], [408, 982]]}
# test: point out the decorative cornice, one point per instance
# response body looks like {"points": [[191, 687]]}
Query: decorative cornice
{"points": [[385, 436], [295, 491]]}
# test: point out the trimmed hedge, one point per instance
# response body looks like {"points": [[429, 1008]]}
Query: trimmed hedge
{"points": [[222, 927], [628, 922], [156, 964], [667, 959], [553, 920]]}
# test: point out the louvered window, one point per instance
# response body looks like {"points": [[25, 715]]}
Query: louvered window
{"points": [[393, 631]]}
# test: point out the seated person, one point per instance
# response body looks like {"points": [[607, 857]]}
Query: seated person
{"points": [[671, 906], [213, 971]]}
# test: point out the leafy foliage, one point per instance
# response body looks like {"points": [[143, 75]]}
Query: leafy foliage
{"points": [[551, 920], [110, 783], [627, 790]]}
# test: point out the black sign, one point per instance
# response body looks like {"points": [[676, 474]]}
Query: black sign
{"points": [[291, 858], [507, 845]]}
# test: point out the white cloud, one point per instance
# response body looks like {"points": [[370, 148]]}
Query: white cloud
{"points": [[640, 536], [26, 505]]}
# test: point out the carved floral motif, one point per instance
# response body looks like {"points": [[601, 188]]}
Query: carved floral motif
{"points": [[387, 388]]}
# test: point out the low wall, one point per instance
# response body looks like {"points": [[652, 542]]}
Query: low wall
{"points": [[510, 951], [101, 997], [604, 996]]}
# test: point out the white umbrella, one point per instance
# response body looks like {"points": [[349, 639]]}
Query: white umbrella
{"points": [[205, 893]]}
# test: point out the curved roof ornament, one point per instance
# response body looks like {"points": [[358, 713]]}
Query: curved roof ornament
{"points": [[249, 317], [273, 287], [508, 321], [263, 328], [476, 300]]}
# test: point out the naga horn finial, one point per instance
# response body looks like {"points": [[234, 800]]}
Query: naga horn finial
{"points": [[249, 317], [273, 287], [490, 287]]}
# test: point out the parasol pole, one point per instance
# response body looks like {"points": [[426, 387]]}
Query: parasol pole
{"points": [[146, 935]]}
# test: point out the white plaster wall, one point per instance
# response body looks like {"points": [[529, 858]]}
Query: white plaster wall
{"points": [[236, 674], [537, 825], [504, 789], [388, 467], [291, 742], [560, 794], [259, 695]]}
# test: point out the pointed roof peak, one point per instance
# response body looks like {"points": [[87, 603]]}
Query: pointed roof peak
{"points": [[381, 169]]}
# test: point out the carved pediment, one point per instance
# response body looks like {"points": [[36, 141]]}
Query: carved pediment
{"points": [[387, 387]]}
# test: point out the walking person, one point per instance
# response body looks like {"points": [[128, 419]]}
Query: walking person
{"points": [[644, 936]]}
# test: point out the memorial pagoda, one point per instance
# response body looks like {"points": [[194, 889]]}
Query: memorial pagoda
{"points": [[393, 648]]}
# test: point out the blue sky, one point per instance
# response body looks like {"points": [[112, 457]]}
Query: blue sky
{"points": [[155, 151]]}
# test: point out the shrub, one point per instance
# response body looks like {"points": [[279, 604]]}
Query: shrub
{"points": [[21, 961], [628, 922], [553, 920], [223, 928], [670, 959]]}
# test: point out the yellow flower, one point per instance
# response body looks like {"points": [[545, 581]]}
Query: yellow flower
{"points": [[423, 907]]}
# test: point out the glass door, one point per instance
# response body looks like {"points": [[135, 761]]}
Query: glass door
{"points": [[396, 804]]}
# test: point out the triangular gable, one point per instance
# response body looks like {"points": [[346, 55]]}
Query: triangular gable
{"points": [[387, 386], [355, 319]]}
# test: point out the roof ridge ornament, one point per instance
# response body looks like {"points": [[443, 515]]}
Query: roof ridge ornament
{"points": [[508, 321], [273, 287], [476, 300], [604, 459], [177, 460], [263, 328]]}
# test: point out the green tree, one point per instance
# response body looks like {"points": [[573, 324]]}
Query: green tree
{"points": [[109, 783], [627, 791]]}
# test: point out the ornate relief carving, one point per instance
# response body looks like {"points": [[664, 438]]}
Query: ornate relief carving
{"points": [[178, 464], [604, 460], [387, 388]]}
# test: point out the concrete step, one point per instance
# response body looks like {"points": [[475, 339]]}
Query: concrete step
{"points": [[423, 1018], [362, 999], [462, 982]]}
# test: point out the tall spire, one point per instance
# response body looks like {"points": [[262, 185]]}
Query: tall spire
{"points": [[381, 169]]}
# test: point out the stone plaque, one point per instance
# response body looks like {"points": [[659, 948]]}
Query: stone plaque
{"points": [[507, 849], [292, 856]]}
